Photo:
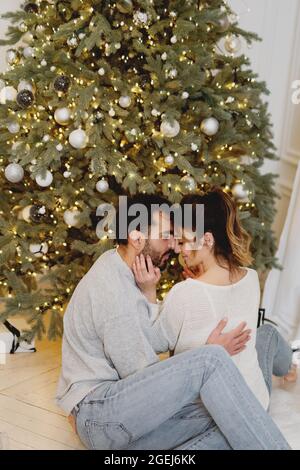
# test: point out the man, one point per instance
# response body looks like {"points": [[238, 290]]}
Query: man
{"points": [[112, 381]]}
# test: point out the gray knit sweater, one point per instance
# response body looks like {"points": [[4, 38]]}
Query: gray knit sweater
{"points": [[109, 331]]}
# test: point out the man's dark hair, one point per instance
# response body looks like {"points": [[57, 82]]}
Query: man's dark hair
{"points": [[147, 200]]}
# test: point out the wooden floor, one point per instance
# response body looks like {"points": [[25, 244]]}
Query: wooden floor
{"points": [[31, 420]]}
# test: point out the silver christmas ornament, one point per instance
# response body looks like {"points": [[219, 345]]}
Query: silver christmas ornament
{"points": [[210, 126], [44, 181], [124, 101], [62, 116], [13, 127], [240, 192], [189, 183], [14, 173], [102, 186], [71, 217], [170, 129], [78, 139]]}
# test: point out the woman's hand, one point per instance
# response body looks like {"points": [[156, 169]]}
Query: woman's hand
{"points": [[146, 276]]}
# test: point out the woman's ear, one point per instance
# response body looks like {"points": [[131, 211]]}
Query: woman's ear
{"points": [[209, 239], [137, 240]]}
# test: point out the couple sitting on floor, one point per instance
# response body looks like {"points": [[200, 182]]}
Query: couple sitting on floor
{"points": [[214, 392]]}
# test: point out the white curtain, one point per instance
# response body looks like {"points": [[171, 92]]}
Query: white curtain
{"points": [[281, 297]]}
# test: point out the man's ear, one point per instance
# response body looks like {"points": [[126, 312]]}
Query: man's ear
{"points": [[137, 240]]}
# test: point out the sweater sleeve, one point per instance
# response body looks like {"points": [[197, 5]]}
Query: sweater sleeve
{"points": [[127, 336], [171, 316]]}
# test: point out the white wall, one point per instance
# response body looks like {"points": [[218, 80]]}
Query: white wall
{"points": [[276, 61]]}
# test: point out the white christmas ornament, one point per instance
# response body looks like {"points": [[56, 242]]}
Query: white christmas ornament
{"points": [[164, 56], [13, 127], [174, 39], [8, 93], [185, 95], [44, 181], [172, 73], [140, 17], [78, 139], [38, 249], [67, 174], [210, 126], [194, 147], [101, 71], [155, 112], [71, 217], [102, 186], [62, 116], [59, 147], [170, 129], [24, 85], [169, 160], [27, 37], [14, 173], [125, 101], [28, 52], [239, 191], [46, 138], [112, 112]]}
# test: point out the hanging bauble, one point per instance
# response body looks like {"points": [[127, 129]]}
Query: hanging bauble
{"points": [[172, 73], [14, 173], [37, 212], [25, 98], [12, 57], [23, 27], [24, 85], [28, 37], [169, 160], [170, 129], [40, 29], [13, 127], [185, 95], [38, 249], [71, 217], [102, 186], [62, 116], [124, 6], [28, 52], [224, 24], [67, 174], [124, 101], [78, 139], [26, 214], [62, 83], [239, 191], [8, 93], [173, 39], [189, 182], [31, 7], [210, 126], [73, 41], [44, 180], [101, 71], [140, 18], [232, 44]]}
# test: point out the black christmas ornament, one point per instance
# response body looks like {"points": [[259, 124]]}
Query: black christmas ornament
{"points": [[37, 212], [62, 83], [31, 8], [25, 98]]}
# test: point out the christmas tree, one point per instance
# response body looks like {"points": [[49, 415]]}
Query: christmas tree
{"points": [[105, 98]]}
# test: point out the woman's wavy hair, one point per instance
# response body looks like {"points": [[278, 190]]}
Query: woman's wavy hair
{"points": [[232, 242]]}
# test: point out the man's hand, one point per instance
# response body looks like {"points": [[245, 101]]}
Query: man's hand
{"points": [[146, 276], [234, 341]]}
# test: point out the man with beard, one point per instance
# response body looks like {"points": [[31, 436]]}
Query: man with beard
{"points": [[114, 385]]}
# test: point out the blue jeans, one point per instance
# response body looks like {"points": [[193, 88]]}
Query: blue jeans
{"points": [[194, 400]]}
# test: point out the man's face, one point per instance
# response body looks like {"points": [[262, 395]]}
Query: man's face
{"points": [[160, 243]]}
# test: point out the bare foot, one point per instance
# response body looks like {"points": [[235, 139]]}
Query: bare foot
{"points": [[292, 375]]}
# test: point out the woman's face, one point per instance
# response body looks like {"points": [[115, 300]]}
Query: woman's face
{"points": [[195, 252], [192, 252]]}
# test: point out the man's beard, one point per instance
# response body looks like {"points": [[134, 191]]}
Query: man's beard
{"points": [[159, 260]]}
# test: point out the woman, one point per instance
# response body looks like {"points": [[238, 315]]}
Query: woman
{"points": [[224, 287]]}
